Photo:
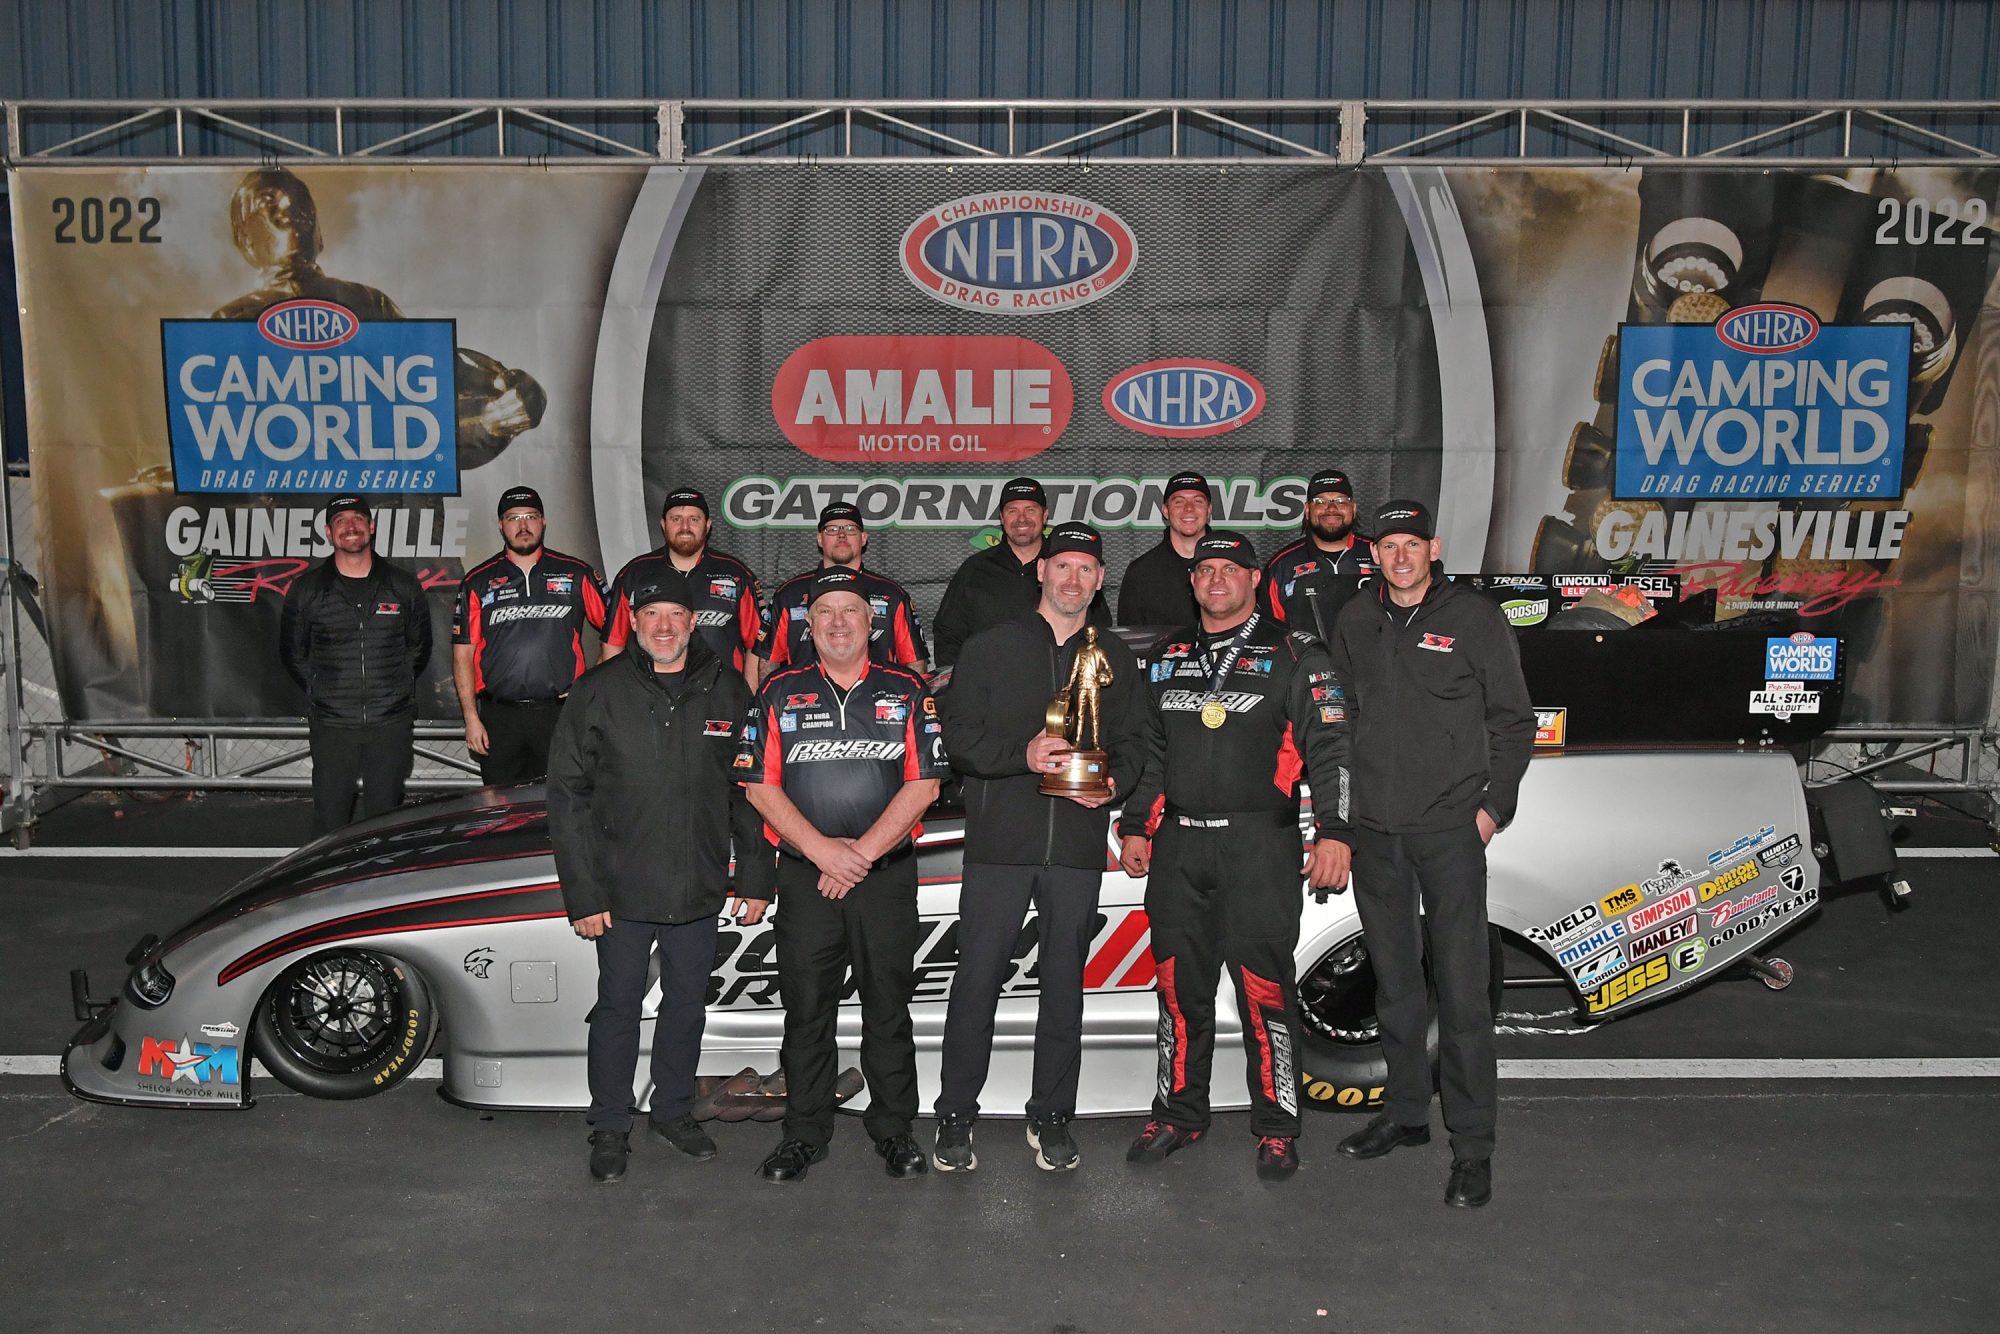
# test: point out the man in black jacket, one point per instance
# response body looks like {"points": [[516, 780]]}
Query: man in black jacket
{"points": [[1443, 738], [1022, 847], [1310, 580], [355, 633], [643, 807], [1155, 589], [1004, 581], [1245, 708]]}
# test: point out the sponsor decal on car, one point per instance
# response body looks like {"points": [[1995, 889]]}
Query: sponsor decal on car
{"points": [[225, 1029], [1732, 908], [1672, 876], [1802, 657], [1783, 852], [1590, 943], [1744, 844], [1600, 970], [1661, 938], [1551, 727], [1687, 957], [1525, 611], [1781, 700], [1621, 900], [1566, 925], [1180, 400], [1627, 985], [1733, 878], [193, 1068], [1018, 252], [1660, 910], [479, 961], [1774, 913]]}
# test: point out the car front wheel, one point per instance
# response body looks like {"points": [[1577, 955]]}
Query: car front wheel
{"points": [[345, 1024], [1343, 1068]]}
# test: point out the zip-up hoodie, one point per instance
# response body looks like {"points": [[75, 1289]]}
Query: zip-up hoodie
{"points": [[1444, 727]]}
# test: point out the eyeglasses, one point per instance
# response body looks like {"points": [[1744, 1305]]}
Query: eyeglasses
{"points": [[1330, 503], [842, 530], [520, 516]]}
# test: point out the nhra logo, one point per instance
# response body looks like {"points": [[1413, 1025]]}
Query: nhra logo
{"points": [[308, 326], [1018, 252], [975, 399], [1767, 329], [1183, 399]]}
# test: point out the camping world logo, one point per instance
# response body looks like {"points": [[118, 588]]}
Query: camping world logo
{"points": [[1018, 252], [1183, 399]]}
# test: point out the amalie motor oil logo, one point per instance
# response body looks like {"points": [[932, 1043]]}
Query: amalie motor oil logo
{"points": [[1184, 399], [971, 398], [1018, 252]]}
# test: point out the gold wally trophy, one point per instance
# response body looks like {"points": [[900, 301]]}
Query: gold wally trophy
{"points": [[1075, 716]]}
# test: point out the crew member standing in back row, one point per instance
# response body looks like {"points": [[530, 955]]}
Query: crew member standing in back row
{"points": [[728, 600], [895, 634], [1155, 589], [517, 643], [1001, 583], [1308, 582]]}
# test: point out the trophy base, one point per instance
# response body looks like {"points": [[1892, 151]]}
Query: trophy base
{"points": [[1086, 773]]}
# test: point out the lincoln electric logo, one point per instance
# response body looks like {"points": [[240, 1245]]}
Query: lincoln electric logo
{"points": [[310, 398], [1018, 252], [1181, 399]]}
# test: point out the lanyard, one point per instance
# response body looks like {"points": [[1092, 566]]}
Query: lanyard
{"points": [[1219, 671]]}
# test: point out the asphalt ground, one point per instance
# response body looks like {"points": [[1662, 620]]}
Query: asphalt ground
{"points": [[1633, 1204]]}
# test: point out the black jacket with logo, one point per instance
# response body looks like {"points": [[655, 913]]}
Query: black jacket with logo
{"points": [[643, 801], [992, 586], [357, 660], [995, 706], [1157, 588], [1305, 587], [1444, 726]]}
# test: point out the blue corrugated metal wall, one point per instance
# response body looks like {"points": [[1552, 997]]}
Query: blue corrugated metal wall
{"points": [[1000, 48]]}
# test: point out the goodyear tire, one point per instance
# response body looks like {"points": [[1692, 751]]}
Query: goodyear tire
{"points": [[345, 1024], [1343, 1069]]}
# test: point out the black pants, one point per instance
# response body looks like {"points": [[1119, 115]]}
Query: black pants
{"points": [[517, 740], [991, 908], [1227, 895], [875, 929], [378, 755], [1446, 873], [624, 956]]}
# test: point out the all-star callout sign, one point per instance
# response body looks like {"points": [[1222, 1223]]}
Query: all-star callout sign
{"points": [[1765, 404], [309, 397]]}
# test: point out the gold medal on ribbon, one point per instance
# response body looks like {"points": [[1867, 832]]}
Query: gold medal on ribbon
{"points": [[1213, 715]]}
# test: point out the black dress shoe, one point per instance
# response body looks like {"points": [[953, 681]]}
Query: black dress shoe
{"points": [[1382, 1136], [685, 1135], [1277, 1157], [1471, 1183], [902, 1157], [609, 1150], [789, 1161]]}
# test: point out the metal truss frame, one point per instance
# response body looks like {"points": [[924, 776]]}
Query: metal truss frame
{"points": [[1556, 132]]}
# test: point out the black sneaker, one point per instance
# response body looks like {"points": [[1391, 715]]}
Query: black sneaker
{"points": [[1054, 1150], [789, 1161], [609, 1150], [953, 1150], [902, 1157], [1277, 1157], [685, 1135], [1158, 1140]]}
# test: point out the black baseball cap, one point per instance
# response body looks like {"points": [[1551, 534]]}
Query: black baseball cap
{"points": [[1329, 479], [687, 496], [834, 579], [1078, 537], [345, 504], [1185, 481], [521, 497], [1405, 516], [1022, 488], [668, 585], [840, 511], [1219, 545]]}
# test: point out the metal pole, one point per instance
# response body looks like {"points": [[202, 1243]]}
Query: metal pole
{"points": [[18, 812]]}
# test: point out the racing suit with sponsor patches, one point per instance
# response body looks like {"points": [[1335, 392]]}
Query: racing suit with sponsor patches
{"points": [[1222, 805], [1305, 587], [895, 633], [842, 756], [728, 601]]}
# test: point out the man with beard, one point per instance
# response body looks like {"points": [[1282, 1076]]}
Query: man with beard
{"points": [[1023, 847], [643, 807], [1307, 583], [728, 600], [517, 642], [843, 757], [355, 633], [1155, 590], [1244, 708], [895, 636], [1000, 583], [1443, 737]]}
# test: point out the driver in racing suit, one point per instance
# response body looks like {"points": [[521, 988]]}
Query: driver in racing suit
{"points": [[1244, 707]]}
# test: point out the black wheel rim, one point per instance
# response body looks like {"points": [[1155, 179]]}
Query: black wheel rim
{"points": [[335, 1012], [1337, 998]]}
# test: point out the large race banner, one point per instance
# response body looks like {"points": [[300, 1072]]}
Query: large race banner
{"points": [[1771, 399]]}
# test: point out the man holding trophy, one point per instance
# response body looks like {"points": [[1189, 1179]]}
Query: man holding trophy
{"points": [[1038, 773]]}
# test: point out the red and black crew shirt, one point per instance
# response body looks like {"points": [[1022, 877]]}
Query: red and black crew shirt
{"points": [[1305, 587], [842, 755], [728, 602], [895, 633], [526, 626]]}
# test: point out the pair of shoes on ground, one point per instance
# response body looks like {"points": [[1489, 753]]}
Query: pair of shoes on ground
{"points": [[1277, 1155], [790, 1161], [1471, 1182], [611, 1150], [1048, 1136]]}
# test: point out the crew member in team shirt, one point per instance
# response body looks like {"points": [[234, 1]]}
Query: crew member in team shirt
{"points": [[1308, 582], [728, 600], [1158, 587], [895, 634], [517, 642]]}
